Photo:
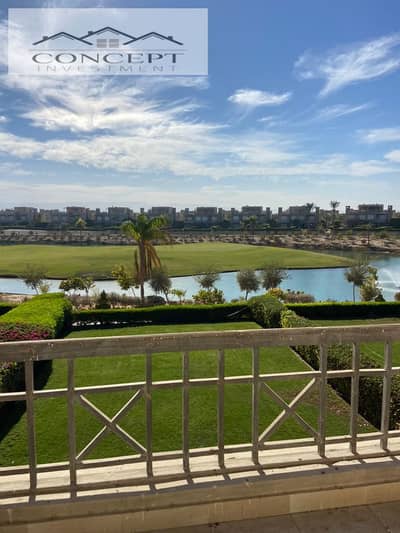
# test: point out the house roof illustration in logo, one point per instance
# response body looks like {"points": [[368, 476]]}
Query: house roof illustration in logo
{"points": [[107, 33], [106, 37], [62, 39], [153, 36]]}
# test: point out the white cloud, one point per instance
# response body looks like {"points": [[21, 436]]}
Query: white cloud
{"points": [[378, 135], [355, 63], [340, 110], [393, 156], [255, 98]]}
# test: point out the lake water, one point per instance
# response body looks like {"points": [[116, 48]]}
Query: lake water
{"points": [[323, 284]]}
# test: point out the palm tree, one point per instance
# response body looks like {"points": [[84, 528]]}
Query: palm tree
{"points": [[143, 231], [81, 225], [359, 273], [334, 205]]}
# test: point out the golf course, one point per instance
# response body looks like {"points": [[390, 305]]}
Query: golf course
{"points": [[181, 260]]}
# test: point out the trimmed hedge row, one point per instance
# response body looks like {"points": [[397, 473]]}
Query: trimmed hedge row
{"points": [[6, 307], [346, 310], [165, 314], [340, 358], [43, 317]]}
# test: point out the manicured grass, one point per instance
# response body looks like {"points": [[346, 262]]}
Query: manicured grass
{"points": [[374, 349], [51, 414], [186, 259]]}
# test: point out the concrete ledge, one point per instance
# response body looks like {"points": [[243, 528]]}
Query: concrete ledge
{"points": [[207, 501]]}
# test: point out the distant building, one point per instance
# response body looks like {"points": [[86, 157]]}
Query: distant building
{"points": [[374, 214], [303, 216], [52, 217], [73, 213], [117, 215], [161, 211], [206, 216], [25, 215]]}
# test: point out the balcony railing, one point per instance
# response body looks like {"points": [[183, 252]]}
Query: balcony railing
{"points": [[144, 466]]}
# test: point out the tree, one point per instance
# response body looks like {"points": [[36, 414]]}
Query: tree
{"points": [[160, 282], [207, 280], [252, 224], [87, 284], [125, 280], [334, 205], [359, 273], [248, 281], [103, 301], [77, 283], [143, 231], [81, 225], [369, 290], [33, 277], [179, 293], [272, 276]]}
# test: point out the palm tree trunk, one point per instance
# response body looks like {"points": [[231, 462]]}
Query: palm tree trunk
{"points": [[354, 292], [142, 273]]}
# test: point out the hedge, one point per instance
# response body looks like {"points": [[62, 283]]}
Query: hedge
{"points": [[346, 310], [266, 311], [340, 358], [43, 317], [165, 314], [6, 307]]}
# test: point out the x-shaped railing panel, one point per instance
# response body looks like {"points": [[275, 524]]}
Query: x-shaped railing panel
{"points": [[288, 410], [111, 425]]}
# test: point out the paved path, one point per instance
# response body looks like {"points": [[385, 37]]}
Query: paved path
{"points": [[380, 518]]}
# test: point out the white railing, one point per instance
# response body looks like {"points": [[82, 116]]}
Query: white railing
{"points": [[187, 459]]}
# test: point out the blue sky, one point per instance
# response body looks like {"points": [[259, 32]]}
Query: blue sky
{"points": [[301, 105]]}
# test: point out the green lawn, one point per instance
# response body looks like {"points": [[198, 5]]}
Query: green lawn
{"points": [[51, 414], [374, 349], [186, 259]]}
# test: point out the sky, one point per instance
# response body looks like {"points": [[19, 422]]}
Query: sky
{"points": [[301, 104]]}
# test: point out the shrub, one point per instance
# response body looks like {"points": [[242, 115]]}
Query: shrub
{"points": [[103, 301], [43, 317], [209, 296], [171, 314], [153, 299], [340, 358], [266, 311]]}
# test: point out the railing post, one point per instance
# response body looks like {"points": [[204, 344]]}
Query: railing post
{"points": [[149, 414], [386, 394], [221, 404], [71, 426], [355, 391], [323, 367], [255, 403], [185, 411], [30, 418]]}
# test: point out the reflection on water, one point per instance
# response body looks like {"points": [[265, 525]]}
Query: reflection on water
{"points": [[323, 284]]}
